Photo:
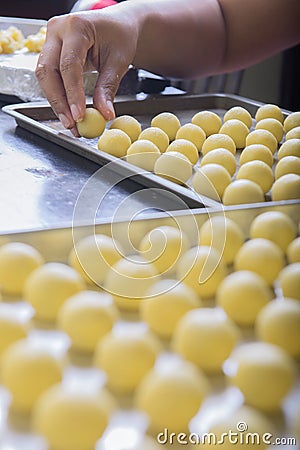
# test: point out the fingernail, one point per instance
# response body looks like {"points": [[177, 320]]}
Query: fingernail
{"points": [[64, 120], [75, 133], [76, 113], [110, 109]]}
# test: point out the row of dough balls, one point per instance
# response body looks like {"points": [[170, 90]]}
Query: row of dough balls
{"points": [[171, 150], [12, 40]]}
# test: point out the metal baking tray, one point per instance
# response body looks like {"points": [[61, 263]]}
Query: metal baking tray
{"points": [[40, 119]]}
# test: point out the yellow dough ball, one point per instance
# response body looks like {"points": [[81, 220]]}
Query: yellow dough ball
{"points": [[192, 133], [72, 419], [174, 166], [288, 164], [240, 113], [261, 256], [294, 133], [209, 121], [17, 261], [272, 125], [92, 125], [292, 121], [269, 111], [218, 140], [276, 226], [12, 329], [128, 124], [264, 137], [264, 373], [126, 356], [49, 286], [293, 251], [185, 147], [279, 323], [143, 153], [163, 246], [257, 171], [168, 122], [27, 370], [214, 329], [128, 280], [211, 180], [224, 235], [242, 295], [168, 301], [171, 395], [157, 136], [289, 148], [243, 191], [286, 187], [289, 281], [220, 156], [115, 142], [256, 151], [93, 255], [237, 130], [86, 317], [201, 268]]}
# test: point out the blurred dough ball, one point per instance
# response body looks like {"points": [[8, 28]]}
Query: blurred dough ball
{"points": [[128, 280], [92, 257], [237, 130], [115, 142], [185, 147], [163, 246], [49, 286], [157, 136], [279, 323], [168, 301], [92, 125], [243, 191], [168, 122], [256, 152], [288, 164], [220, 156], [294, 133], [286, 187], [128, 124], [205, 337], [292, 121], [264, 373], [242, 295], [86, 317], [202, 269], [218, 140], [269, 111], [27, 370], [289, 281], [171, 395], [143, 153], [240, 113], [261, 256], [12, 329], [293, 251], [192, 133], [209, 121], [272, 125], [126, 356], [264, 137], [257, 171], [224, 235], [17, 261], [211, 180], [70, 418], [174, 166], [276, 226], [289, 148]]}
